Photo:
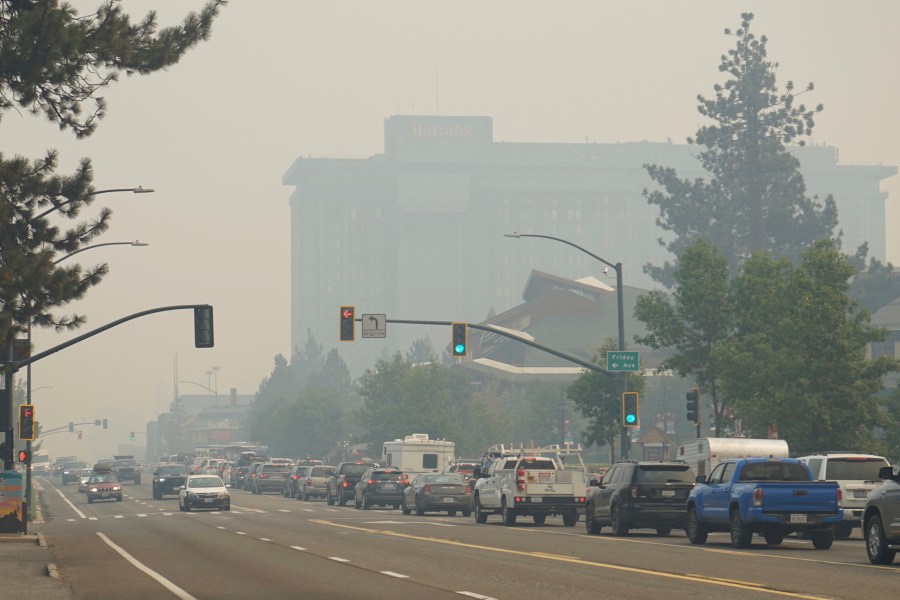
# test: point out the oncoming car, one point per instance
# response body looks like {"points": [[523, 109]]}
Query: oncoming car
{"points": [[204, 491], [103, 486], [84, 478]]}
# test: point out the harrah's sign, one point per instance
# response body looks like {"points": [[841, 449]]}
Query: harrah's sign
{"points": [[454, 130]]}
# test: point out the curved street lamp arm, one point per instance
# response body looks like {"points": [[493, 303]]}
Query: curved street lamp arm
{"points": [[134, 190], [134, 243], [616, 266]]}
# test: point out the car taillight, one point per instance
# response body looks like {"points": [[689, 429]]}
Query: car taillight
{"points": [[426, 488], [520, 480], [309, 482], [261, 476], [371, 482], [295, 477], [840, 498], [344, 483], [758, 494]]}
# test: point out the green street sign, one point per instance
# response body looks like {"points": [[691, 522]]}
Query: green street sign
{"points": [[622, 361]]}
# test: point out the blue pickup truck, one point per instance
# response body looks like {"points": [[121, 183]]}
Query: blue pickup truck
{"points": [[769, 496]]}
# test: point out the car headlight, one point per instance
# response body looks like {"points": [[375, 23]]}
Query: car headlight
{"points": [[161, 479], [116, 488], [93, 489], [224, 495]]}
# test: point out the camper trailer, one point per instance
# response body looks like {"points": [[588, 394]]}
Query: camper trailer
{"points": [[417, 453], [703, 454]]}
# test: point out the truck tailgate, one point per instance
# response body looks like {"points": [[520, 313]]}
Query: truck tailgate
{"points": [[548, 482], [806, 496]]}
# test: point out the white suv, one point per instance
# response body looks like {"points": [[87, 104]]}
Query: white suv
{"points": [[856, 474]]}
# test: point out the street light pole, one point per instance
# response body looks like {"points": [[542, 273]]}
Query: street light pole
{"points": [[134, 190], [620, 309]]}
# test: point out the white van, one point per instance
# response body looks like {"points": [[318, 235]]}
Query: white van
{"points": [[856, 473], [417, 453], [703, 454]]}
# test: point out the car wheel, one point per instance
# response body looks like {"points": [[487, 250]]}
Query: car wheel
{"points": [[395, 506], [329, 499], [119, 499], [137, 481], [420, 510], [227, 507], [451, 513], [695, 530], [509, 515], [406, 510], [304, 496], [480, 515], [341, 501], [467, 513], [773, 538], [663, 531], [876, 543], [539, 519], [617, 524], [90, 500], [357, 504], [843, 530], [822, 540], [590, 525], [741, 535], [187, 506], [570, 518], [365, 503]]}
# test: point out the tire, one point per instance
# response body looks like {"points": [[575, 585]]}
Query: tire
{"points": [[304, 496], [843, 530], [591, 527], [617, 524], [570, 518], [480, 515], [773, 538], [663, 531], [329, 499], [451, 513], [119, 499], [406, 510], [137, 481], [90, 500], [509, 515], [341, 501], [187, 507], [156, 494], [395, 506], [822, 540], [420, 510], [741, 535], [227, 507], [467, 513], [876, 542], [695, 530], [357, 504], [366, 505]]}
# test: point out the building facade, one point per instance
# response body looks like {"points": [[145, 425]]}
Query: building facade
{"points": [[417, 232]]}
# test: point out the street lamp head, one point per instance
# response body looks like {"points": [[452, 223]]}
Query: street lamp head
{"points": [[514, 234], [137, 243], [141, 190]]}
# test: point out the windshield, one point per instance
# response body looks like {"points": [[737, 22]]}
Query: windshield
{"points": [[321, 471], [205, 482], [447, 478], [387, 476], [276, 469], [862, 469], [354, 469], [173, 470], [126, 463], [665, 474], [775, 471], [103, 479]]}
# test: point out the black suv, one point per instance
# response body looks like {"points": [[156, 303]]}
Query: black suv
{"points": [[127, 469], [71, 471], [240, 468], [168, 478], [635, 495], [380, 486]]}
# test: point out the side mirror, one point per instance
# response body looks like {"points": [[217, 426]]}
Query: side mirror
{"points": [[701, 479], [476, 472], [886, 473], [594, 483]]}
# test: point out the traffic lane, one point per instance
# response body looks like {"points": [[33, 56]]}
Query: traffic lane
{"points": [[832, 573], [195, 555], [69, 503], [385, 539]]}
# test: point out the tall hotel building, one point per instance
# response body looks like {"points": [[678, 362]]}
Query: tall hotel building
{"points": [[417, 232]]}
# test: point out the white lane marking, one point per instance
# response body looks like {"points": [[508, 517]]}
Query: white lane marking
{"points": [[339, 559], [301, 549], [69, 502], [141, 515], [283, 510], [71, 520], [240, 533], [220, 527], [264, 539], [92, 518], [410, 523], [309, 510], [397, 575], [474, 595], [119, 517], [256, 510], [179, 593]]}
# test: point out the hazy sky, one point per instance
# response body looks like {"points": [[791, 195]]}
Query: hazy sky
{"points": [[283, 78]]}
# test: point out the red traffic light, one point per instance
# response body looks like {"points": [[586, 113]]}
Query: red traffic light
{"points": [[348, 325], [24, 456]]}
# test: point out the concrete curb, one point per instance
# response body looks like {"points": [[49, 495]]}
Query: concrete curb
{"points": [[53, 572], [41, 540]]}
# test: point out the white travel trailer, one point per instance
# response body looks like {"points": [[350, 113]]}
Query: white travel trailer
{"points": [[417, 453], [703, 454]]}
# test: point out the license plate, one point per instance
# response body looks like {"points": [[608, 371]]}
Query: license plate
{"points": [[447, 500], [860, 493], [104, 495], [208, 500], [388, 486], [798, 517], [668, 493], [537, 499]]}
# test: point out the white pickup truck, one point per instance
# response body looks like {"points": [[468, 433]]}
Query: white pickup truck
{"points": [[529, 485]]}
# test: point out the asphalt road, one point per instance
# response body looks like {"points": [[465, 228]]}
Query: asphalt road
{"points": [[269, 547]]}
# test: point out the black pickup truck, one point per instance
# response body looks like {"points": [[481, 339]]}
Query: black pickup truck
{"points": [[340, 486]]}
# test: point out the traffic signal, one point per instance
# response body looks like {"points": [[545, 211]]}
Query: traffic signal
{"points": [[26, 421], [630, 415], [104, 423], [132, 436], [459, 342], [348, 323], [203, 326], [24, 456], [693, 398], [72, 426]]}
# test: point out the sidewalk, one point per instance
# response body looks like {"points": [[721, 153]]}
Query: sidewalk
{"points": [[26, 566]]}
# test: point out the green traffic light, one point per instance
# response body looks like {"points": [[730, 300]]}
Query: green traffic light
{"points": [[459, 349]]}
